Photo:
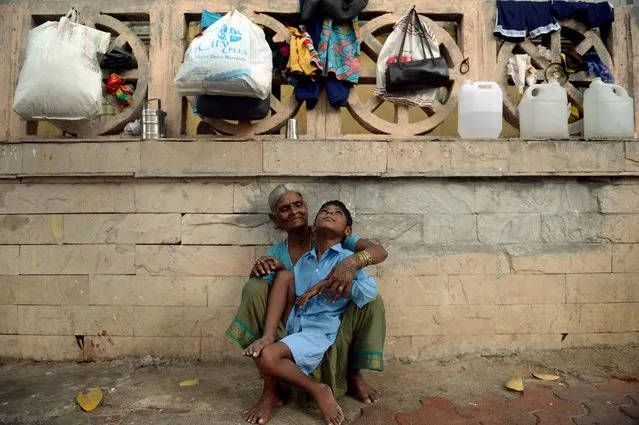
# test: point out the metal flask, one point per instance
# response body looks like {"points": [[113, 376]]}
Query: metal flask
{"points": [[152, 121]]}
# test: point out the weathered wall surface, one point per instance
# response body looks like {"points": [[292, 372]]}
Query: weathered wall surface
{"points": [[143, 259]]}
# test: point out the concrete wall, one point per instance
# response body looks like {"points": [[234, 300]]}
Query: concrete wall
{"points": [[148, 254]]}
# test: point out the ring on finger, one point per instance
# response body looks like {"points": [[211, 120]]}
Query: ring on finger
{"points": [[340, 289]]}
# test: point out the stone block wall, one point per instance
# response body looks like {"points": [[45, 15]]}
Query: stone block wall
{"points": [[102, 267]]}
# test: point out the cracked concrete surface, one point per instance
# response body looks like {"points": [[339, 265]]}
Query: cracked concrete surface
{"points": [[146, 391]]}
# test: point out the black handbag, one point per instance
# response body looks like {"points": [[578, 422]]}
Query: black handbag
{"points": [[342, 10], [233, 108], [417, 75]]}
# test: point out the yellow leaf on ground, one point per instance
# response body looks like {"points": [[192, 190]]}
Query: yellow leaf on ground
{"points": [[189, 382], [90, 399], [545, 376], [516, 384]]}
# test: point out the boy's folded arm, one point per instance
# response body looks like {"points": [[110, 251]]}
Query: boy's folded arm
{"points": [[364, 289]]}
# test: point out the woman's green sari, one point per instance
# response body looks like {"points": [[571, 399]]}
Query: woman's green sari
{"points": [[359, 343]]}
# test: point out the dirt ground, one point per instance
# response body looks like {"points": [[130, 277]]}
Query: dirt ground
{"points": [[147, 391]]}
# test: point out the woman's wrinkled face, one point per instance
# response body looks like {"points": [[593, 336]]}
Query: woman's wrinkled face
{"points": [[290, 212]]}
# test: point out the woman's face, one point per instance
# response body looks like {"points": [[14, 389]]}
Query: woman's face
{"points": [[290, 212]]}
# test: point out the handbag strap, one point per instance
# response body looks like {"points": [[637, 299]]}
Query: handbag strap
{"points": [[425, 37], [414, 16]]}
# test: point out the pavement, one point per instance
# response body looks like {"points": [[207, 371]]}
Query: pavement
{"points": [[596, 387]]}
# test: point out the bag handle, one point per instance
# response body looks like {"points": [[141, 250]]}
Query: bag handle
{"points": [[72, 15], [425, 37], [414, 16]]}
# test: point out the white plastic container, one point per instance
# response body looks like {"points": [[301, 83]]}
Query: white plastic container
{"points": [[543, 112], [608, 112], [480, 110]]}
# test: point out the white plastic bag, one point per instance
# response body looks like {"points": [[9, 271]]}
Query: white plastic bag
{"points": [[413, 51], [61, 78], [230, 58]]}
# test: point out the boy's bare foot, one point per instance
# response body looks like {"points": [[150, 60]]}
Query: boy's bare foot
{"points": [[262, 412], [256, 348], [361, 390], [331, 412]]}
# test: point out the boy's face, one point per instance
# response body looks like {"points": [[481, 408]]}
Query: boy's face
{"points": [[332, 218]]}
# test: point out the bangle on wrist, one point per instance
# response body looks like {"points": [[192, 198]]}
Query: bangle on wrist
{"points": [[364, 258]]}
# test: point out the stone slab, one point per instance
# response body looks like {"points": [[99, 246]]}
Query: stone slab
{"points": [[49, 348], [181, 321], [163, 260], [507, 289], [83, 158], [10, 260], [148, 290], [188, 197], [75, 320], [31, 229], [440, 320], [226, 229], [551, 259], [602, 287], [420, 260], [566, 156], [8, 319], [45, 290], [509, 228], [590, 227], [533, 197], [66, 198], [202, 157], [389, 228], [225, 291], [10, 159], [414, 290], [415, 197], [632, 156], [77, 259], [449, 157], [450, 228], [620, 198], [122, 228], [337, 157], [105, 348], [625, 258], [253, 197]]}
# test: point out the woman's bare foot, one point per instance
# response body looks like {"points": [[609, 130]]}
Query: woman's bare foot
{"points": [[262, 412], [256, 348], [331, 412], [361, 390]]}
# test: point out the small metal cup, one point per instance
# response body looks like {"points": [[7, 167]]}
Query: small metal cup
{"points": [[291, 129]]}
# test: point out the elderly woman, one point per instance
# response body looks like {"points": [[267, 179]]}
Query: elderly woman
{"points": [[360, 341]]}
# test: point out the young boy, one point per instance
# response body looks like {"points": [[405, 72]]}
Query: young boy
{"points": [[312, 320]]}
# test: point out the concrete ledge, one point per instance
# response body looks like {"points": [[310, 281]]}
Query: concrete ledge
{"points": [[269, 157]]}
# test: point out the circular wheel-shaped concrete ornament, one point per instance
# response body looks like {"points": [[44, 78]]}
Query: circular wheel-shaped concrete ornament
{"points": [[573, 32], [139, 78], [281, 111], [364, 112]]}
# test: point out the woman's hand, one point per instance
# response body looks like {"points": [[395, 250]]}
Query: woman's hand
{"points": [[341, 279], [319, 288], [266, 265]]}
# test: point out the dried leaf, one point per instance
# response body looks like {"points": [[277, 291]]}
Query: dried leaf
{"points": [[189, 382], [545, 376], [90, 399], [516, 384]]}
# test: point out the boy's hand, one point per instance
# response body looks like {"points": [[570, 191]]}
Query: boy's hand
{"points": [[311, 292]]}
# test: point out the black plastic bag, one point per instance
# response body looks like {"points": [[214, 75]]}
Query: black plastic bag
{"points": [[233, 108], [119, 58]]}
